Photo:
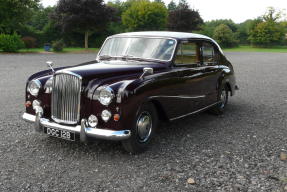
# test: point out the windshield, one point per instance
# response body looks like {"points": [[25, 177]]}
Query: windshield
{"points": [[138, 47]]}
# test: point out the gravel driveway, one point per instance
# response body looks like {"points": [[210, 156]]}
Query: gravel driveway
{"points": [[238, 151]]}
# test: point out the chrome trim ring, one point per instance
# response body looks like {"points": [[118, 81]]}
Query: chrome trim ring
{"points": [[144, 126], [39, 85]]}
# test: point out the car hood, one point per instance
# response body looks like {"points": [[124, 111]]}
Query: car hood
{"points": [[106, 69]]}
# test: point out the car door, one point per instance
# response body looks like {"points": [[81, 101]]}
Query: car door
{"points": [[190, 89], [210, 60]]}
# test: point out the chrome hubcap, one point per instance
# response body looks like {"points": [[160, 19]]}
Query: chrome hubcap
{"points": [[223, 98], [144, 126]]}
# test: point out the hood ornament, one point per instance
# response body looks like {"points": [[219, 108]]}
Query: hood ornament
{"points": [[50, 64]]}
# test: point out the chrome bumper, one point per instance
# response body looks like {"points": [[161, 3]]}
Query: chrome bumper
{"points": [[83, 130]]}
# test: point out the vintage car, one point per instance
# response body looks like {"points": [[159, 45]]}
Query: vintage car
{"points": [[136, 80]]}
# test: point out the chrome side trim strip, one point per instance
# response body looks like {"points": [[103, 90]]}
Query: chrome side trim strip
{"points": [[179, 96], [194, 112]]}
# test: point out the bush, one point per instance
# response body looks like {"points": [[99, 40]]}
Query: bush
{"points": [[30, 42], [58, 46], [267, 34], [10, 43], [224, 36]]}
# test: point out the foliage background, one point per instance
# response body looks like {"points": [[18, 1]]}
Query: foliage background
{"points": [[67, 22]]}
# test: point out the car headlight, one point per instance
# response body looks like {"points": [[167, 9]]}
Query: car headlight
{"points": [[93, 121], [48, 85], [105, 95], [34, 87]]}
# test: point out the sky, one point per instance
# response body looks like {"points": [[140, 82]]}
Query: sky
{"points": [[238, 11]]}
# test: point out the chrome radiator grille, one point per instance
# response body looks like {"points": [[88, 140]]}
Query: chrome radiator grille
{"points": [[66, 95]]}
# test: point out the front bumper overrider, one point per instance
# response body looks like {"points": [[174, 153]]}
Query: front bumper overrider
{"points": [[83, 130]]}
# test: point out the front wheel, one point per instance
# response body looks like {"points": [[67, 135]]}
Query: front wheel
{"points": [[222, 98], [143, 129]]}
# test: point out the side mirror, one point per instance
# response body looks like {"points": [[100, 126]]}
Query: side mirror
{"points": [[147, 71], [50, 64]]}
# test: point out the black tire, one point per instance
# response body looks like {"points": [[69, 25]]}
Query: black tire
{"points": [[141, 132], [222, 98]]}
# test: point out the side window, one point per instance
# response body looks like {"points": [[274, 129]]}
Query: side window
{"points": [[188, 54], [209, 55]]}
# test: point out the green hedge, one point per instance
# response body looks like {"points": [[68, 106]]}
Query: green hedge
{"points": [[11, 43]]}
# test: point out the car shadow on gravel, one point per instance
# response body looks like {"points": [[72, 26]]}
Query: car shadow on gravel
{"points": [[169, 137]]}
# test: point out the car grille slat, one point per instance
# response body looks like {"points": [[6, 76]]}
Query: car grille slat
{"points": [[66, 96]]}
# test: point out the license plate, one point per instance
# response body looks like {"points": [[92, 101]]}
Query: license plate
{"points": [[68, 135]]}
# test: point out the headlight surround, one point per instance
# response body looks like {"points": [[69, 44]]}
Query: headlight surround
{"points": [[105, 95], [34, 87], [93, 121]]}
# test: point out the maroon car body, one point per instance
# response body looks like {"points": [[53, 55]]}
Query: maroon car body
{"points": [[173, 90]]}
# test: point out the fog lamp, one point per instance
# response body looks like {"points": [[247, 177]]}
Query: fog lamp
{"points": [[93, 121], [36, 104], [106, 115]]}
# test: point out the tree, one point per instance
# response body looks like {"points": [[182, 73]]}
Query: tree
{"points": [[183, 18], [272, 15], [245, 28], [84, 16], [145, 15], [224, 36], [209, 27], [171, 6], [14, 13], [40, 17], [117, 26], [270, 31], [267, 34]]}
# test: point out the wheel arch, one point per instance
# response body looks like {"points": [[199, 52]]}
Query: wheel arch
{"points": [[159, 109]]}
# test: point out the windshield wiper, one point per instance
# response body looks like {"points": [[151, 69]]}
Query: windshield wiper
{"points": [[127, 56], [105, 57]]}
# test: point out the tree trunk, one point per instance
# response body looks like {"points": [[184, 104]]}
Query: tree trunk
{"points": [[86, 39]]}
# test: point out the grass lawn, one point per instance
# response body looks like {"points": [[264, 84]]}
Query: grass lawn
{"points": [[246, 48], [66, 50]]}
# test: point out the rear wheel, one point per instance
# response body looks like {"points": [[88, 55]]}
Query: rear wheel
{"points": [[142, 130], [222, 96]]}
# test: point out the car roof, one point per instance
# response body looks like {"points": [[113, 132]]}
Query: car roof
{"points": [[168, 34]]}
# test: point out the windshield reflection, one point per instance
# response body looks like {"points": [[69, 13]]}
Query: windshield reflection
{"points": [[138, 48]]}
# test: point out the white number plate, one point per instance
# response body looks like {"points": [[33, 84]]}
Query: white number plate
{"points": [[68, 135]]}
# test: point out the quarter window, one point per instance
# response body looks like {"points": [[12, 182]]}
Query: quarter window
{"points": [[188, 54], [209, 55]]}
